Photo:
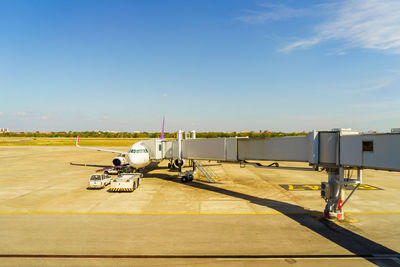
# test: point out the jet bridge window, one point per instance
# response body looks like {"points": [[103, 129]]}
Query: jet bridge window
{"points": [[368, 146]]}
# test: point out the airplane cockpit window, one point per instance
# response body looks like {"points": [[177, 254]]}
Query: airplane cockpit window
{"points": [[138, 151]]}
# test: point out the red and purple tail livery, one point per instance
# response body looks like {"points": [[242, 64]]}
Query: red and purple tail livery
{"points": [[162, 129]]}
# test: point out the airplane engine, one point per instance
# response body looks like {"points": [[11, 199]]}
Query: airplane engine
{"points": [[179, 163], [119, 161]]}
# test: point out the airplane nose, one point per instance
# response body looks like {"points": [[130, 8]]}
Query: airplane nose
{"points": [[131, 158], [134, 160]]}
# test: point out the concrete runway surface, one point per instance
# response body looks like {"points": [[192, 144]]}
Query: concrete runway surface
{"points": [[49, 218]]}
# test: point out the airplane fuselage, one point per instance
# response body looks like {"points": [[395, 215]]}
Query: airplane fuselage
{"points": [[138, 156]]}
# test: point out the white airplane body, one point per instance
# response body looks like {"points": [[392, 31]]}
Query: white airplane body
{"points": [[138, 156]]}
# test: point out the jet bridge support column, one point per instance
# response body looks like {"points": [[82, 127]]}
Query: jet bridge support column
{"points": [[334, 190]]}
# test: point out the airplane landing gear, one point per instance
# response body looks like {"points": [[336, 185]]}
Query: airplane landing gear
{"points": [[171, 165]]}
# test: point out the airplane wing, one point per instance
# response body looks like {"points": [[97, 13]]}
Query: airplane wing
{"points": [[99, 149], [87, 165]]}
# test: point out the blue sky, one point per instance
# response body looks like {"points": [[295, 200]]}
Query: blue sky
{"points": [[212, 65]]}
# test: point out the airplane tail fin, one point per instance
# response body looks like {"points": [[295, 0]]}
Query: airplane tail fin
{"points": [[162, 129]]}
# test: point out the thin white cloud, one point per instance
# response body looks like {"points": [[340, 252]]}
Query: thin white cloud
{"points": [[378, 85], [369, 24], [20, 113], [164, 95], [301, 44], [1, 113], [45, 117], [271, 12], [380, 105], [387, 82]]}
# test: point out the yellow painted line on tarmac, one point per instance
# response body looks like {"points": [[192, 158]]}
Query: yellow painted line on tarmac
{"points": [[148, 213], [372, 212], [307, 187], [186, 213]]}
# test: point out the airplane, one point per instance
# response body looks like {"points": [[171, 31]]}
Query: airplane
{"points": [[138, 155]]}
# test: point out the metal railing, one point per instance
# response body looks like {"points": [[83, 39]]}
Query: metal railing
{"points": [[207, 172]]}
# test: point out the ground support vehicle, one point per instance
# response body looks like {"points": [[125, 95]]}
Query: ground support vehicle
{"points": [[126, 182], [187, 176], [99, 180], [112, 172]]}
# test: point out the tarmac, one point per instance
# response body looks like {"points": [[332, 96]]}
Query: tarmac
{"points": [[253, 216]]}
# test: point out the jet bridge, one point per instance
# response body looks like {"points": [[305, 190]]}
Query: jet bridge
{"points": [[336, 148], [338, 151]]}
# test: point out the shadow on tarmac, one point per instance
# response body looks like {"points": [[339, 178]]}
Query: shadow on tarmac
{"points": [[259, 165], [355, 243], [285, 168]]}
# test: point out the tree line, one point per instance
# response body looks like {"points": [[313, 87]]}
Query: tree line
{"points": [[97, 134]]}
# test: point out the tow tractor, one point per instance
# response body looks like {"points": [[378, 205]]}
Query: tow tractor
{"points": [[126, 182]]}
